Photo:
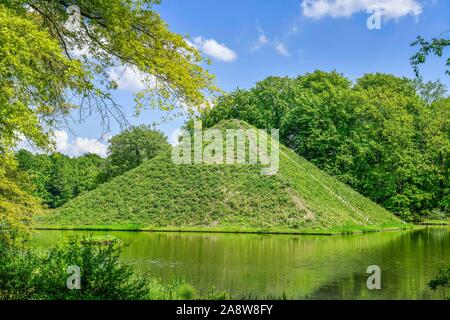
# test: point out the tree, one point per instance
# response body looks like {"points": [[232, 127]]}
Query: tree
{"points": [[430, 91], [34, 77], [16, 205], [57, 178], [43, 76], [385, 136], [436, 47], [131, 148], [265, 105], [70, 177]]}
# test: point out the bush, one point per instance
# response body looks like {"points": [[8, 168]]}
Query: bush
{"points": [[102, 274], [16, 272], [442, 281], [33, 274], [131, 148]]}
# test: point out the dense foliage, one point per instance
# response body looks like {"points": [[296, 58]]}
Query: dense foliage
{"points": [[58, 178], [16, 205], [35, 274], [48, 68], [387, 137], [131, 148], [35, 77], [442, 281]]}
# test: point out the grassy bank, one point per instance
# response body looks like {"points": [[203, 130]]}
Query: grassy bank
{"points": [[299, 199], [205, 229], [435, 223]]}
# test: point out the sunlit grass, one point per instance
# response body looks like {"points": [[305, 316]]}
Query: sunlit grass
{"points": [[162, 196]]}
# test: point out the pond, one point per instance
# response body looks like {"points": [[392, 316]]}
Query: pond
{"points": [[300, 267]]}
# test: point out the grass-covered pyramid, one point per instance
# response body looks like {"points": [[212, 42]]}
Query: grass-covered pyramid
{"points": [[162, 195]]}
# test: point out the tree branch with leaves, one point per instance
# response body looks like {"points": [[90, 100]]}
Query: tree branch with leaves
{"points": [[48, 70], [426, 48]]}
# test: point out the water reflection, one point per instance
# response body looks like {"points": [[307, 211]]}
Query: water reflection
{"points": [[317, 267]]}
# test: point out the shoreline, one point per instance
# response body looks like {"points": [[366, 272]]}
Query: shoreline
{"points": [[234, 230], [435, 223]]}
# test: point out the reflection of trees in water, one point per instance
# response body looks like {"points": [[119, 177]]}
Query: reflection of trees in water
{"points": [[256, 265], [408, 264], [299, 266]]}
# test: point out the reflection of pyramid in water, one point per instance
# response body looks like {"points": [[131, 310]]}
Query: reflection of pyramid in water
{"points": [[161, 193]]}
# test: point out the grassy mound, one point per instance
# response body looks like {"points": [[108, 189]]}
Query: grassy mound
{"points": [[163, 195]]}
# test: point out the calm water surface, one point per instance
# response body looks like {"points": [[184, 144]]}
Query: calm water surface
{"points": [[302, 267]]}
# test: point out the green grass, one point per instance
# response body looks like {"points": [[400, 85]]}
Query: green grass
{"points": [[163, 196], [179, 289], [202, 229], [436, 222]]}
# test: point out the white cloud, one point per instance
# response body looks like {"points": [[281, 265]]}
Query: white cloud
{"points": [[391, 9], [295, 28], [127, 78], [263, 41], [214, 49], [174, 136], [75, 148], [79, 146], [281, 49], [61, 139]]}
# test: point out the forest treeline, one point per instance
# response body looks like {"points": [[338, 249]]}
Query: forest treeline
{"points": [[56, 178], [385, 136]]}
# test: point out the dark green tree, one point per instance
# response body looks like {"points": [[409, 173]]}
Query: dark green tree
{"points": [[385, 136], [48, 68], [58, 178], [131, 148]]}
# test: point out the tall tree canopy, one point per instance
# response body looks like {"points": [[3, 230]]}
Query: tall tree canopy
{"points": [[16, 204], [387, 137], [58, 178], [49, 68], [131, 148]]}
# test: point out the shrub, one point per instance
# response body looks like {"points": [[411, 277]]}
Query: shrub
{"points": [[32, 274], [442, 281]]}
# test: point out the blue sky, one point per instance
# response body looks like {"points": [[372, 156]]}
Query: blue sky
{"points": [[248, 40]]}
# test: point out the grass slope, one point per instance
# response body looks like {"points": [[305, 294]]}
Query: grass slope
{"points": [[160, 195]]}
